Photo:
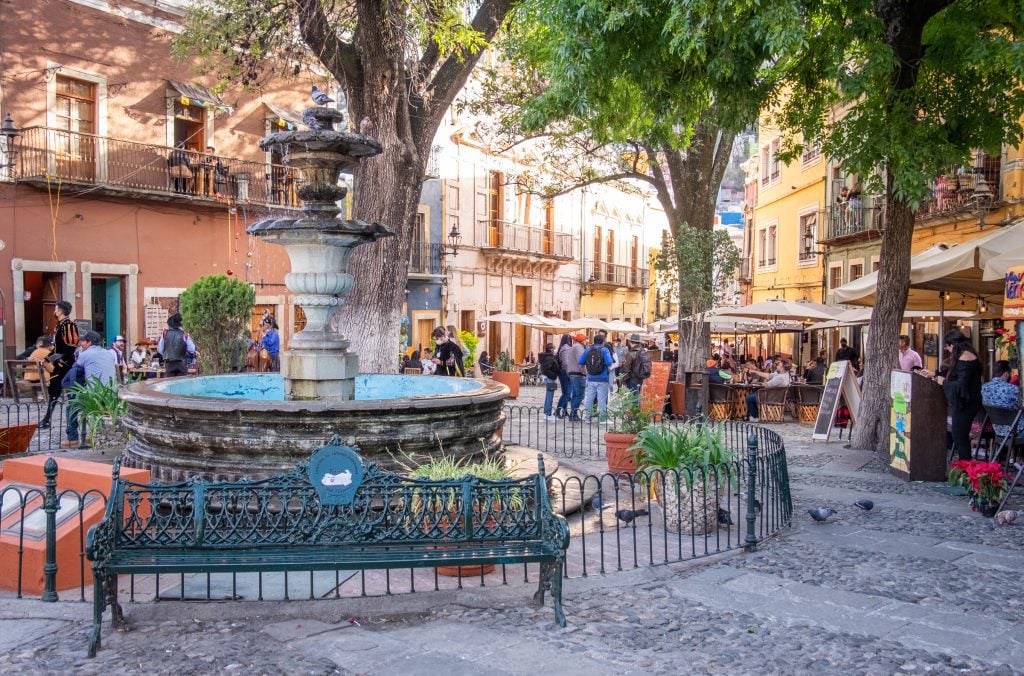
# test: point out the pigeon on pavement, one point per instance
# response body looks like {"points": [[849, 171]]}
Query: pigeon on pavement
{"points": [[1006, 517], [627, 515], [319, 97], [821, 514], [724, 517], [866, 505], [597, 505]]}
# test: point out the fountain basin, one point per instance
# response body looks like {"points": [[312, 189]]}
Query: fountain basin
{"points": [[226, 427]]}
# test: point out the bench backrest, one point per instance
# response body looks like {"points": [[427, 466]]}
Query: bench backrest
{"points": [[285, 510]]}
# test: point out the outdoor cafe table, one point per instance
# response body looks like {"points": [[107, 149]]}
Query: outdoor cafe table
{"points": [[740, 402]]}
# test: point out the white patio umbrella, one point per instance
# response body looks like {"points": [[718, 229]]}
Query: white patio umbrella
{"points": [[624, 326], [862, 316], [586, 323], [780, 309]]}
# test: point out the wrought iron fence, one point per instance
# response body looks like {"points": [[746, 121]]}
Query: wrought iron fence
{"points": [[17, 440], [617, 521]]}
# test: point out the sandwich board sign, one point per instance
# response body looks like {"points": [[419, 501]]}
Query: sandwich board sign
{"points": [[839, 383]]}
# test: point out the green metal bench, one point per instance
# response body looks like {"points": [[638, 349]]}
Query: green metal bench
{"points": [[330, 513]]}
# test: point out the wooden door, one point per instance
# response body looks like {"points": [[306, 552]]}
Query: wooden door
{"points": [[522, 333], [548, 243], [495, 208], [75, 140]]}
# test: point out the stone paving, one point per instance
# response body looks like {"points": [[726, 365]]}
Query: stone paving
{"points": [[920, 584]]}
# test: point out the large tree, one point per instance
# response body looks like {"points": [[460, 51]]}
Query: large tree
{"points": [[614, 97], [898, 91], [401, 65]]}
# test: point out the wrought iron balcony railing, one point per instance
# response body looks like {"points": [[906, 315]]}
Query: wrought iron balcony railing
{"points": [[849, 219], [48, 155], [425, 259], [613, 274], [526, 239], [954, 192]]}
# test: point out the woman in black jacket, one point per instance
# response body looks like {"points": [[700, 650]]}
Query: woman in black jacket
{"points": [[961, 381]]}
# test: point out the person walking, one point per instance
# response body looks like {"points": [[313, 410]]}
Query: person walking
{"points": [[564, 349], [174, 346], [636, 365], [577, 374], [961, 381], [271, 342], [65, 342], [549, 372], [448, 355], [597, 360], [93, 363]]}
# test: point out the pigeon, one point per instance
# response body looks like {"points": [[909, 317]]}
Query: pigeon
{"points": [[627, 515], [724, 517], [367, 127], [319, 97], [597, 505], [1006, 517], [821, 514], [311, 121], [866, 505]]}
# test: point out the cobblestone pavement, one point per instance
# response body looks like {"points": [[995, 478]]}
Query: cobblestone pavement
{"points": [[920, 584]]}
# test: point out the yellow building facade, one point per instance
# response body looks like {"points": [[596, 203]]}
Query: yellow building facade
{"points": [[785, 231]]}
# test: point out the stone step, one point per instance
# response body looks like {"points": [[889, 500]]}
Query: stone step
{"points": [[955, 633]]}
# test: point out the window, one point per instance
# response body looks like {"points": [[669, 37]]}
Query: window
{"points": [[775, 166], [874, 264], [549, 227], [76, 115], [765, 158], [771, 244], [610, 257], [835, 276], [766, 250], [770, 166], [762, 248], [856, 271], [811, 152], [808, 239]]}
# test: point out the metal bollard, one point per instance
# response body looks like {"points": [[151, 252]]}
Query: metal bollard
{"points": [[751, 541], [50, 508]]}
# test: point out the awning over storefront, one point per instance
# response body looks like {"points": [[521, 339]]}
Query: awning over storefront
{"points": [[955, 269], [285, 114], [199, 96]]}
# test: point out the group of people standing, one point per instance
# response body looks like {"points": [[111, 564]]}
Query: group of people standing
{"points": [[587, 372], [445, 359]]}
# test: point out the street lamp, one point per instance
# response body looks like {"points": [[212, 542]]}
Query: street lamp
{"points": [[454, 240], [588, 286], [11, 134], [982, 197]]}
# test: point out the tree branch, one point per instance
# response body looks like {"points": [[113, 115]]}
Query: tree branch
{"points": [[337, 55]]}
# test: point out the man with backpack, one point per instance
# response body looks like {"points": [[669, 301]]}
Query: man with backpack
{"points": [[550, 370], [636, 365], [596, 361], [175, 346]]}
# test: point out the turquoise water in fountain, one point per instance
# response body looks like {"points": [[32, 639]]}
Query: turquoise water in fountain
{"points": [[270, 386]]}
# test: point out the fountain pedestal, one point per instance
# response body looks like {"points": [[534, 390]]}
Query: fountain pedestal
{"points": [[317, 363]]}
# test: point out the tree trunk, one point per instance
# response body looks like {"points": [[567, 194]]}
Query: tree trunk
{"points": [[871, 431]]}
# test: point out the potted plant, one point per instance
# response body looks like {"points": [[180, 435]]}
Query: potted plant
{"points": [[626, 419], [505, 373], [439, 507], [985, 481], [679, 463], [100, 408]]}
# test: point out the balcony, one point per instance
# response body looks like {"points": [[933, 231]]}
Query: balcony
{"points": [[425, 259], [846, 223], [612, 275], [108, 166], [513, 245], [953, 192]]}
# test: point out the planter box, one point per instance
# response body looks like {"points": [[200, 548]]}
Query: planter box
{"points": [[16, 439], [509, 379], [620, 460]]}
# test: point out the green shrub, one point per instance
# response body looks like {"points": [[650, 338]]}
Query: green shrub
{"points": [[216, 310], [470, 340]]}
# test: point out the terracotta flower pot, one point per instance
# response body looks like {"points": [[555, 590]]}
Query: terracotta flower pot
{"points": [[619, 458], [16, 438], [510, 379]]}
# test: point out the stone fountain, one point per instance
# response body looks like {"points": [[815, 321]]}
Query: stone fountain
{"points": [[229, 426]]}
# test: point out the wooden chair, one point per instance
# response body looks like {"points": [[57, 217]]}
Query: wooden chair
{"points": [[808, 401], [721, 401], [17, 384], [771, 404]]}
